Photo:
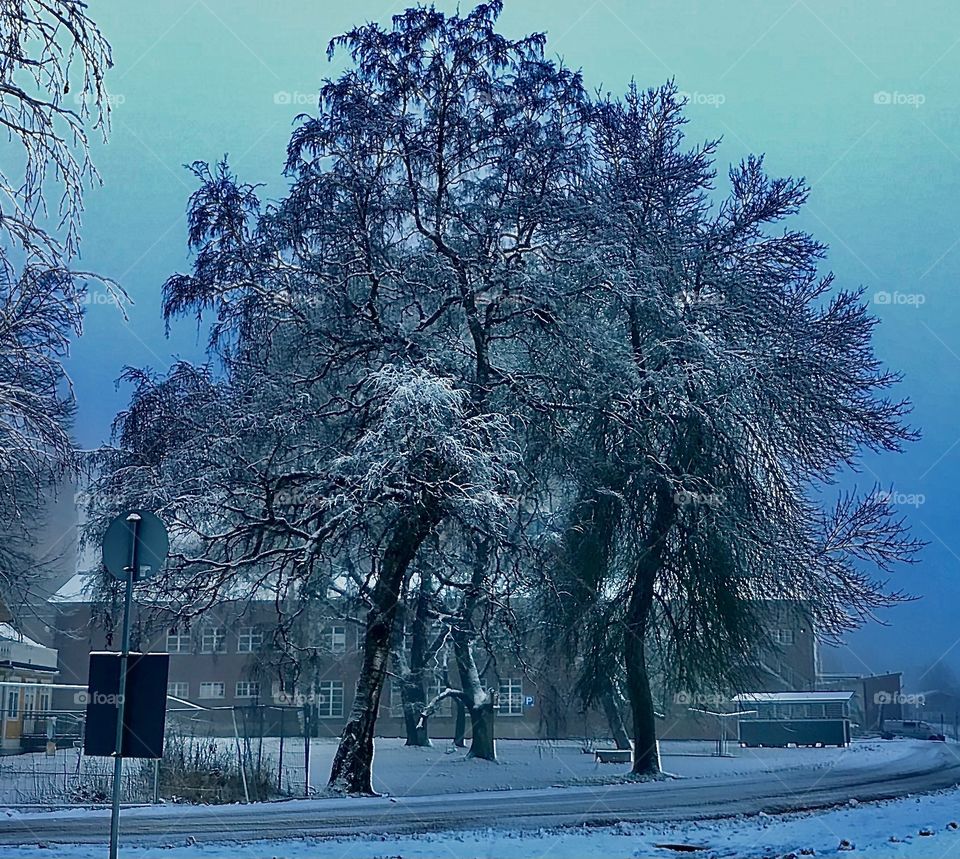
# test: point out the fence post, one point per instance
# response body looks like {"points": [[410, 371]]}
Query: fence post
{"points": [[283, 719], [306, 750]]}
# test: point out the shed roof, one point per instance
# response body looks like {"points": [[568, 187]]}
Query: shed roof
{"points": [[793, 697]]}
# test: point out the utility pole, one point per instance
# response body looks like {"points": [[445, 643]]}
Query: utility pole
{"points": [[132, 571]]}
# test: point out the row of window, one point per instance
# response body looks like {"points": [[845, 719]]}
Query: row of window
{"points": [[213, 639], [214, 689], [329, 695], [511, 698]]}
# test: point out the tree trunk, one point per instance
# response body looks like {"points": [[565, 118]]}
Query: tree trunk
{"points": [[481, 704], [482, 721], [413, 685], [460, 727], [646, 753], [414, 702], [611, 709], [352, 770]]}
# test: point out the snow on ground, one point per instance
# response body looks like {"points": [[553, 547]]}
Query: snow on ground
{"points": [[402, 771], [922, 826]]}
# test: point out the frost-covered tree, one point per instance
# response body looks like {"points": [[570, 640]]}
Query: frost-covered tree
{"points": [[400, 292], [732, 383], [52, 64], [496, 339]]}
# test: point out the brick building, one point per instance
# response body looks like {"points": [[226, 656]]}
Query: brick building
{"points": [[226, 660]]}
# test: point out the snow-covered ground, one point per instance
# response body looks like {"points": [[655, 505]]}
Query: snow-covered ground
{"points": [[923, 826], [403, 771]]}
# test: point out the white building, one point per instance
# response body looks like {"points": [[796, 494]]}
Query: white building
{"points": [[26, 669]]}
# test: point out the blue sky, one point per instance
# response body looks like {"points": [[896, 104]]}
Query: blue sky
{"points": [[859, 97]]}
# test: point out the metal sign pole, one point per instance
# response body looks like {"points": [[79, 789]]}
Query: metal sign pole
{"points": [[133, 520]]}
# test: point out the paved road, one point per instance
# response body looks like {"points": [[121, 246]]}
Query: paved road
{"points": [[933, 766]]}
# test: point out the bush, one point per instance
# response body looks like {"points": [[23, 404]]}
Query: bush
{"points": [[204, 770]]}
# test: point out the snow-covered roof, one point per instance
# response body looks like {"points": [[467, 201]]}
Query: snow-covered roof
{"points": [[74, 590], [793, 697], [11, 633], [18, 651], [77, 590]]}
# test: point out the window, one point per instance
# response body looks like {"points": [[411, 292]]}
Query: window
{"points": [[511, 697], [178, 642], [434, 688], [329, 699], [178, 689], [211, 690], [248, 689], [783, 636], [249, 639], [214, 640], [335, 639], [396, 699]]}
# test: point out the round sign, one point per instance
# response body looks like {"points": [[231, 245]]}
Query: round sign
{"points": [[151, 550]]}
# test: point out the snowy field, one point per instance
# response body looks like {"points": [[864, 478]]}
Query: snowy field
{"points": [[924, 826], [402, 771]]}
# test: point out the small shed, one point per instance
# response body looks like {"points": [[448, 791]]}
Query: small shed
{"points": [[801, 718]]}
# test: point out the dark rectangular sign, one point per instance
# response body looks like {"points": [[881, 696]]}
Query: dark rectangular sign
{"points": [[145, 709]]}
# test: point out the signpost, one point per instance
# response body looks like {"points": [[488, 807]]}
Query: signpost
{"points": [[134, 548]]}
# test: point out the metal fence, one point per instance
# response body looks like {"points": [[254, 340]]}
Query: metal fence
{"points": [[211, 754]]}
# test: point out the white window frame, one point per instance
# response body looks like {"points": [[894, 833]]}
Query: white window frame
{"points": [[250, 689], [511, 696], [784, 637], [209, 684], [178, 689], [213, 639], [335, 638], [249, 639], [182, 640], [327, 699]]}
